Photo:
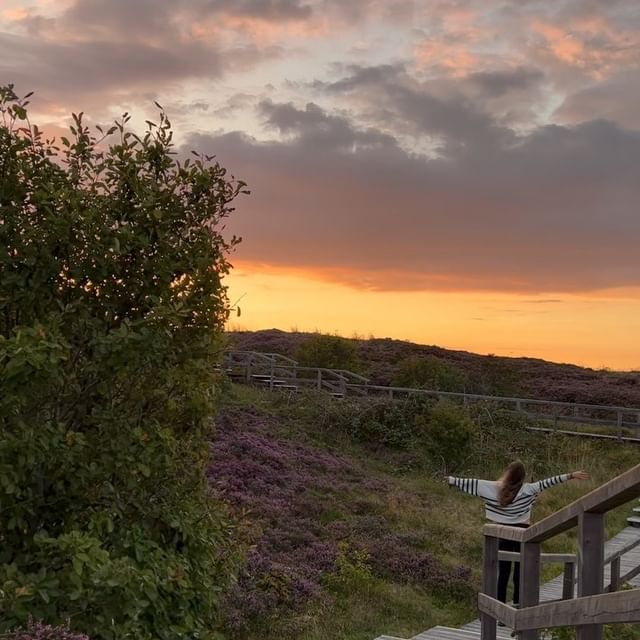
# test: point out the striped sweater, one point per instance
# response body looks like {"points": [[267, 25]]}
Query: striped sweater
{"points": [[519, 511]]}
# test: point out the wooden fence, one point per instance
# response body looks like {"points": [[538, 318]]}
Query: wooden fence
{"points": [[595, 604], [275, 371]]}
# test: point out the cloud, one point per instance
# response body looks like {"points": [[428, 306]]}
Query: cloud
{"points": [[614, 99], [496, 84], [443, 161], [93, 52], [436, 110], [314, 128], [80, 68], [553, 210]]}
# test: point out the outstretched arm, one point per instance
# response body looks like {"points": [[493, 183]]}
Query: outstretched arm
{"points": [[472, 486], [547, 483]]}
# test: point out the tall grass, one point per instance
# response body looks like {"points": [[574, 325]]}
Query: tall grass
{"points": [[393, 500]]}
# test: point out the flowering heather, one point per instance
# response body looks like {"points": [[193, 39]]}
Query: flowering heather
{"points": [[536, 378], [302, 502], [40, 631]]}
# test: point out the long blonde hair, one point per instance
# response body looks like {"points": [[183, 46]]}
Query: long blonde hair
{"points": [[510, 483]]}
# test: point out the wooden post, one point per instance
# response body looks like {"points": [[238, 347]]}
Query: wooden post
{"points": [[248, 372], [529, 582], [615, 574], [568, 580], [488, 625], [590, 565], [319, 384], [619, 424]]}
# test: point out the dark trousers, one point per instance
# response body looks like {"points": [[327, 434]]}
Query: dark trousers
{"points": [[504, 571]]}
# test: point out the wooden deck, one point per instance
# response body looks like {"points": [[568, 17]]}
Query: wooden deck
{"points": [[552, 590]]}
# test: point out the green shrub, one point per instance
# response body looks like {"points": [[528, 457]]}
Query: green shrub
{"points": [[111, 308], [448, 436], [495, 377], [329, 352], [352, 573], [429, 373]]}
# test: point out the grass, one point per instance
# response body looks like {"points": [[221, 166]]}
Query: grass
{"points": [[377, 494]]}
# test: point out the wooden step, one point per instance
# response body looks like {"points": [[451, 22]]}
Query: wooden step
{"points": [[502, 633], [271, 381], [634, 521], [389, 638], [448, 633]]}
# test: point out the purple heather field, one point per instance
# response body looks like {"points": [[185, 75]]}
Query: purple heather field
{"points": [[381, 357], [303, 505]]}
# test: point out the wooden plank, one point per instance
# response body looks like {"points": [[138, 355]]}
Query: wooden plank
{"points": [[606, 497], [630, 575], [625, 548], [504, 531], [590, 566], [568, 580], [545, 558], [496, 609], [608, 608], [590, 554], [615, 575], [552, 590], [488, 624], [530, 581]]}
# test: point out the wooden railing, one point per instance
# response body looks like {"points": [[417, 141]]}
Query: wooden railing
{"points": [[598, 421], [594, 606]]}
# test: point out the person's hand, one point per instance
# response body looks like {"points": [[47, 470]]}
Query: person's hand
{"points": [[579, 475]]}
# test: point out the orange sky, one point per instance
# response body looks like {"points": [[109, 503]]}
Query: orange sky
{"points": [[596, 331]]}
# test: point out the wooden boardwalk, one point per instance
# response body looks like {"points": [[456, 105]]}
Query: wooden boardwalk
{"points": [[552, 590]]}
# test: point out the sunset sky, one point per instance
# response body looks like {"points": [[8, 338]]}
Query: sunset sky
{"points": [[456, 173]]}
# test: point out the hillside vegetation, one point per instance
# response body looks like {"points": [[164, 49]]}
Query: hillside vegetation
{"points": [[386, 361], [350, 531]]}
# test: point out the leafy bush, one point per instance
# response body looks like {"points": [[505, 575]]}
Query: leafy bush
{"points": [[352, 570], [429, 372], [329, 352], [449, 435], [111, 307], [495, 377], [40, 631], [387, 423]]}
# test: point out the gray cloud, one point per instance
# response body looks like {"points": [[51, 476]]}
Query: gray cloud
{"points": [[95, 50], [314, 127], [550, 211], [441, 110], [86, 71], [615, 99], [495, 84], [264, 9]]}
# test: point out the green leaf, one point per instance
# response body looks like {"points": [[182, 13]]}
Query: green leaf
{"points": [[77, 565]]}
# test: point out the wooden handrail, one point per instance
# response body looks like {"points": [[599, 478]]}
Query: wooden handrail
{"points": [[622, 606], [593, 607], [600, 500], [545, 558]]}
